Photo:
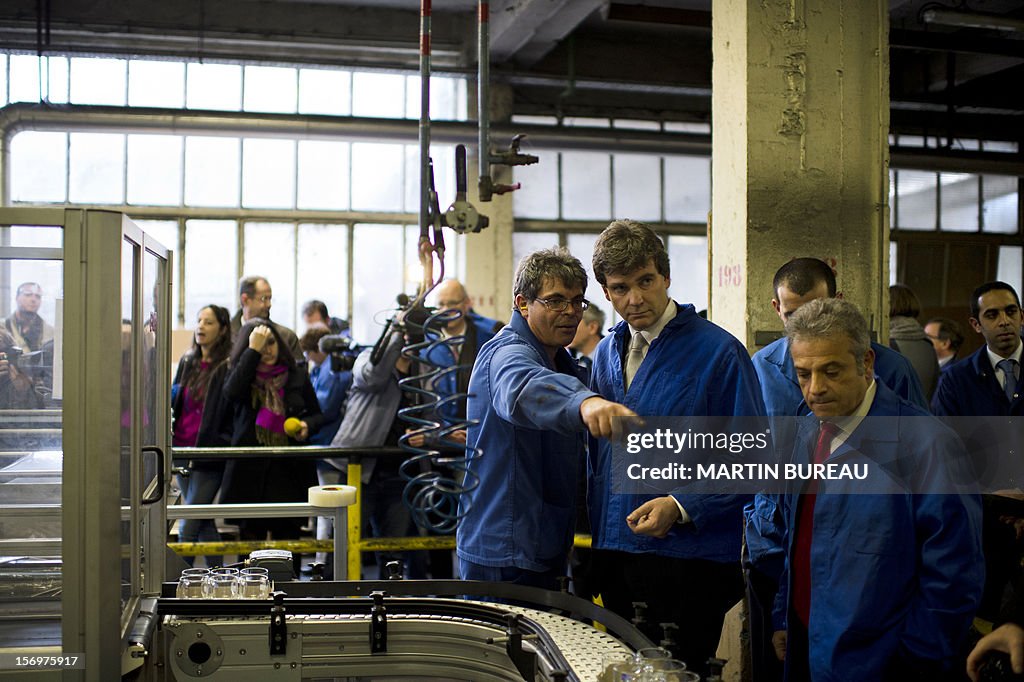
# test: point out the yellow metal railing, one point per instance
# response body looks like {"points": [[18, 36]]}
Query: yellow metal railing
{"points": [[356, 544]]}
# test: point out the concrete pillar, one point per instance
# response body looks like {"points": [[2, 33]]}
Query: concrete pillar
{"points": [[800, 105], [489, 267]]}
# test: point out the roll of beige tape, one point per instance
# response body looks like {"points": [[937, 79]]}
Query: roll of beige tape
{"points": [[332, 495]]}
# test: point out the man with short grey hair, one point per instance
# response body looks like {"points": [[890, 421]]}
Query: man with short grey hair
{"points": [[880, 579], [530, 413]]}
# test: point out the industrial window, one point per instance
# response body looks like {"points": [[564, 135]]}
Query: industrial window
{"points": [[579, 192], [226, 204]]}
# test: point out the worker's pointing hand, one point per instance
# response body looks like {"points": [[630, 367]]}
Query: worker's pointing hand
{"points": [[600, 416]]}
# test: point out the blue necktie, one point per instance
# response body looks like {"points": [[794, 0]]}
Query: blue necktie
{"points": [[1009, 368]]}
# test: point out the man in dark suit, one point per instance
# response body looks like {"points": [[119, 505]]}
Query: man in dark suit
{"points": [[987, 384]]}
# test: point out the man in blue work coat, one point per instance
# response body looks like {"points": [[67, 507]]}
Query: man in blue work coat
{"points": [[677, 553], [797, 282], [881, 579], [530, 414]]}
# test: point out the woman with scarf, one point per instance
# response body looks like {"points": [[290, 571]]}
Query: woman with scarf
{"points": [[264, 388], [198, 417]]}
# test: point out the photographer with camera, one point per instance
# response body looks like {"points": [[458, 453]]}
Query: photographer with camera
{"points": [[371, 420], [331, 384], [18, 389]]}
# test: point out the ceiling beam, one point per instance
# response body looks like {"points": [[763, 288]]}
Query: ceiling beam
{"points": [[526, 30]]}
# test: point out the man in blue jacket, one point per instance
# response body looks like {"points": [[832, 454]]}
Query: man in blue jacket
{"points": [[987, 384], [679, 554], [468, 333], [881, 579], [797, 282], [530, 413]]}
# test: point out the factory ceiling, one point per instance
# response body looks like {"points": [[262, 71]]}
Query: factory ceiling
{"points": [[957, 68]]}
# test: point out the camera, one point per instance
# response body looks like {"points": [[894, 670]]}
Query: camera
{"points": [[12, 356], [342, 349]]}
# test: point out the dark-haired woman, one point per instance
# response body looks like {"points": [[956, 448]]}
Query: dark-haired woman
{"points": [[263, 389], [198, 417]]}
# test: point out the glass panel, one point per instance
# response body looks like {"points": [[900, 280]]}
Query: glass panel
{"points": [[1000, 146], [444, 175], [210, 274], [586, 186], [538, 197], [39, 170], [635, 125], [688, 259], [270, 88], [96, 163], [30, 441], [999, 205], [692, 127], [893, 263], [51, 237], [3, 79], [319, 251], [154, 170], [268, 173], [527, 119], [582, 246], [378, 94], [443, 98], [376, 280], [325, 91], [637, 186], [525, 243], [32, 317], [156, 84], [98, 81], [323, 175], [587, 122], [687, 189], [269, 253], [152, 278], [1011, 263], [377, 181], [213, 86], [916, 190], [129, 323], [24, 84], [211, 171], [165, 232], [959, 202], [60, 81]]}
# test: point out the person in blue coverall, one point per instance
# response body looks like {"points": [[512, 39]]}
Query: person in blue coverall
{"points": [[881, 580], [979, 386], [678, 553], [530, 413], [475, 330], [795, 283]]}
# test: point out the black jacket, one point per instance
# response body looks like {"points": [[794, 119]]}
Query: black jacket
{"points": [[266, 479]]}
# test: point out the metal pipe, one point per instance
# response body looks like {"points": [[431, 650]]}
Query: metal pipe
{"points": [[424, 129], [16, 118], [482, 98]]}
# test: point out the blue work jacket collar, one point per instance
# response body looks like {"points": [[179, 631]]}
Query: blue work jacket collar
{"points": [[685, 312]]}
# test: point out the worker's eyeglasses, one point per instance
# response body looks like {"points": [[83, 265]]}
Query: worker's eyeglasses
{"points": [[264, 299], [558, 305]]}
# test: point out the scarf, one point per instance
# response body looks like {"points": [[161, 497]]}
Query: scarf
{"points": [[905, 329], [268, 399]]}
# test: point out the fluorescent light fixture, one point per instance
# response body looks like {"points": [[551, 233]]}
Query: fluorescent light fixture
{"points": [[995, 22]]}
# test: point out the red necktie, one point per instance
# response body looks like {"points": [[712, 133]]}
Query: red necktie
{"points": [[801, 565]]}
